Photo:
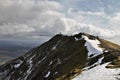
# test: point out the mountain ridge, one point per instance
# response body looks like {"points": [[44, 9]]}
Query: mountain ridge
{"points": [[61, 58]]}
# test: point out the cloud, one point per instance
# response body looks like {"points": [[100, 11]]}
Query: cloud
{"points": [[72, 26], [15, 28], [38, 18], [115, 21], [25, 16], [21, 11]]}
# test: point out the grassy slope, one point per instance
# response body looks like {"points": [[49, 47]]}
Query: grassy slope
{"points": [[109, 45], [114, 64], [112, 46]]}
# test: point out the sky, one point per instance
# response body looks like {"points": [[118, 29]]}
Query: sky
{"points": [[42, 19]]}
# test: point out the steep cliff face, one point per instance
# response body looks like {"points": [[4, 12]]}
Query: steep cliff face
{"points": [[61, 58]]}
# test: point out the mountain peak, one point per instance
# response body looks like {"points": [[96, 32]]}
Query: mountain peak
{"points": [[62, 57]]}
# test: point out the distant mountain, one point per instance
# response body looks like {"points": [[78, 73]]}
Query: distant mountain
{"points": [[78, 57], [10, 49]]}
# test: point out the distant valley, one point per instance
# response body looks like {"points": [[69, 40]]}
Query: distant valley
{"points": [[12, 49]]}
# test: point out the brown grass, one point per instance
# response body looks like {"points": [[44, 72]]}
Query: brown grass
{"points": [[109, 45]]}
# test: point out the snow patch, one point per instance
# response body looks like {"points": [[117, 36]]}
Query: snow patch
{"points": [[95, 64], [100, 60], [77, 39], [54, 47], [39, 62], [43, 58], [59, 61], [106, 51], [47, 75], [17, 65], [50, 63], [92, 46], [56, 72], [99, 73], [29, 70], [30, 66]]}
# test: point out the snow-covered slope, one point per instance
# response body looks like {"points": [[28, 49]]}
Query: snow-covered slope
{"points": [[93, 46], [99, 72]]}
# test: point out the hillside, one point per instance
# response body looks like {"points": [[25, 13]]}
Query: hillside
{"points": [[64, 58]]}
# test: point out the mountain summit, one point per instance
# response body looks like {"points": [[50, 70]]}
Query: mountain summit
{"points": [[66, 57]]}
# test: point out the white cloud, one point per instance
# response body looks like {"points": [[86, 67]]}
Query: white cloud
{"points": [[30, 18], [18, 16], [115, 21], [73, 26], [15, 28], [22, 11], [95, 18]]}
